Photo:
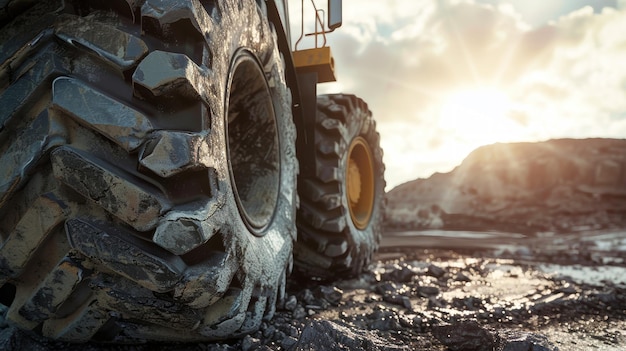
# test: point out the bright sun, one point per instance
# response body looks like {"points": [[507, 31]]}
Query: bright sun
{"points": [[478, 117]]}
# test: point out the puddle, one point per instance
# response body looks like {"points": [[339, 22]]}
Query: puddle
{"points": [[460, 234], [588, 275]]}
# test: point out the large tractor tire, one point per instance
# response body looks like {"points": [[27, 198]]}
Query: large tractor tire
{"points": [[341, 191], [148, 170]]}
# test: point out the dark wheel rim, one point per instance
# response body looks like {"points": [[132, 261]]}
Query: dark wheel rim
{"points": [[360, 183], [253, 149]]}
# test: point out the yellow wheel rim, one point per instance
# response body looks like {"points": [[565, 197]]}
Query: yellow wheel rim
{"points": [[360, 183]]}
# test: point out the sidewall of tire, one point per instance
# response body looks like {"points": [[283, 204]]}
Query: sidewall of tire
{"points": [[263, 259]]}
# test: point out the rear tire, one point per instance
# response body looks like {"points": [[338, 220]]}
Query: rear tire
{"points": [[128, 210], [342, 196]]}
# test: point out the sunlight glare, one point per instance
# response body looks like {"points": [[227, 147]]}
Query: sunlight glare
{"points": [[478, 117]]}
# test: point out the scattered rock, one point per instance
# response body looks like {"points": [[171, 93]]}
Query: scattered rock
{"points": [[419, 312], [465, 336], [461, 277], [521, 341], [435, 271], [289, 343], [395, 293], [397, 273], [249, 343], [384, 320], [428, 291], [307, 296], [291, 303], [299, 312], [467, 303], [330, 336], [329, 293]]}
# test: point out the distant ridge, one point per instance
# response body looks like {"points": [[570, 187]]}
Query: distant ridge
{"points": [[558, 185]]}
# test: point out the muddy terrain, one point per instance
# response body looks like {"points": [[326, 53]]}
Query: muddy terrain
{"points": [[565, 294]]}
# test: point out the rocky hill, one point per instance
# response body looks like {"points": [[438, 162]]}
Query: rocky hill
{"points": [[553, 186]]}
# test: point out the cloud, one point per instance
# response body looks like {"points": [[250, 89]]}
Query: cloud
{"points": [[565, 78], [446, 46], [581, 81]]}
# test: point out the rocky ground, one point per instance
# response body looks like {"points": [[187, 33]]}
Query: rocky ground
{"points": [[569, 296]]}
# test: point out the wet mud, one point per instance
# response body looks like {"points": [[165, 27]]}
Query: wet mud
{"points": [[553, 293]]}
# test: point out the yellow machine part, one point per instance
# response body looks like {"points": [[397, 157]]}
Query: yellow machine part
{"points": [[318, 60], [360, 183]]}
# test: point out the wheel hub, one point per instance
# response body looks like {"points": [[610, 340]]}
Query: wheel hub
{"points": [[253, 143], [360, 183]]}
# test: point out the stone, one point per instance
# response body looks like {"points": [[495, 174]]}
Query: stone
{"points": [[329, 293], [288, 343], [249, 343], [291, 303], [435, 271], [461, 277], [465, 336], [299, 313], [307, 296], [384, 320], [330, 336], [427, 291], [522, 341], [399, 274]]}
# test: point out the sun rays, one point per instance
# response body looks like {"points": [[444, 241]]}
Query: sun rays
{"points": [[477, 115], [446, 77]]}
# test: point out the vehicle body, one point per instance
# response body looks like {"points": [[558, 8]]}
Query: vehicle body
{"points": [[166, 163]]}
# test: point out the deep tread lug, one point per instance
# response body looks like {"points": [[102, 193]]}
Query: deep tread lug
{"points": [[204, 284], [328, 174], [167, 12], [121, 295], [26, 150], [187, 228], [146, 265], [19, 95], [80, 326], [119, 48], [118, 122], [336, 250], [318, 262], [226, 314], [54, 291], [109, 188], [42, 217], [254, 316], [169, 153], [169, 75], [16, 44]]}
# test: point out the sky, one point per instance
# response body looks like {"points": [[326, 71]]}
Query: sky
{"points": [[443, 77]]}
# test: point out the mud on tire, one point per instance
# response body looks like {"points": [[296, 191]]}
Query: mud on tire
{"points": [[120, 217], [342, 195]]}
